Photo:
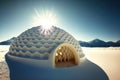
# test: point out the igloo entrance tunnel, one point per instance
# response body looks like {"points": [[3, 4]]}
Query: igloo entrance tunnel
{"points": [[38, 54], [65, 56]]}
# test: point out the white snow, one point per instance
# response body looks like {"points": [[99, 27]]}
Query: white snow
{"points": [[4, 72], [3, 50], [107, 58]]}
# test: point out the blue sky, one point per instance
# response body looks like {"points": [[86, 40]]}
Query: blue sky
{"points": [[84, 19]]}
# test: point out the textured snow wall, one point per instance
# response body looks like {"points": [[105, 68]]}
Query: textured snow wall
{"points": [[33, 44]]}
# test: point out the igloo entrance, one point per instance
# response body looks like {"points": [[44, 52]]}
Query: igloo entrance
{"points": [[65, 56]]}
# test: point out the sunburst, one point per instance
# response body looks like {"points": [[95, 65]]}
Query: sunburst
{"points": [[46, 20]]}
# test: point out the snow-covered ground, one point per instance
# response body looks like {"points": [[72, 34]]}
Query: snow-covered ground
{"points": [[3, 50], [107, 58], [4, 72]]}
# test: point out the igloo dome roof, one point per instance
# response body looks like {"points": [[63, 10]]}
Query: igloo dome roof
{"points": [[34, 44]]}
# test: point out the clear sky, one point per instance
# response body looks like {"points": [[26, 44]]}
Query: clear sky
{"points": [[84, 19]]}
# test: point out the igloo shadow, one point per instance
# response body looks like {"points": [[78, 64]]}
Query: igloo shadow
{"points": [[85, 71]]}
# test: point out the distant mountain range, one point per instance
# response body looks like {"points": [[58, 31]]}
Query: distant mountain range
{"points": [[93, 43], [7, 42], [99, 43]]}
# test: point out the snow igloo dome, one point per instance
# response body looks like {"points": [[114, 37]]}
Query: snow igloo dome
{"points": [[57, 46]]}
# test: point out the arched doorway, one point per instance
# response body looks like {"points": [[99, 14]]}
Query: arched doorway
{"points": [[65, 56]]}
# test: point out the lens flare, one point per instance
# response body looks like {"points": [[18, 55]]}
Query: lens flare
{"points": [[46, 20]]}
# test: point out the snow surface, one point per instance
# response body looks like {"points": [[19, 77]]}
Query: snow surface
{"points": [[3, 50], [4, 72], [107, 58]]}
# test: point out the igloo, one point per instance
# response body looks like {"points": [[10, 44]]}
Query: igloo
{"points": [[37, 54]]}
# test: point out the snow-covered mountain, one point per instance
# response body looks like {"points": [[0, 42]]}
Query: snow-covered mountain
{"points": [[7, 42], [99, 43], [118, 42]]}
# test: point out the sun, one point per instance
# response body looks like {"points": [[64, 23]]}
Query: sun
{"points": [[46, 20]]}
